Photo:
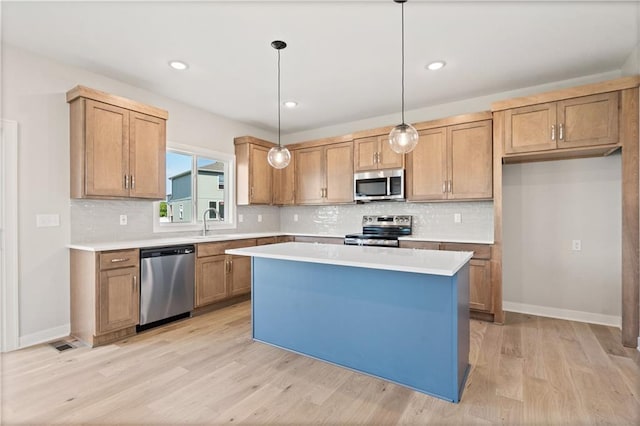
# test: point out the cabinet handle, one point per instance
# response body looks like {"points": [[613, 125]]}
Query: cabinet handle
{"points": [[135, 283], [450, 186], [126, 181], [133, 182], [375, 159], [444, 186], [561, 132], [553, 132], [251, 192], [119, 259]]}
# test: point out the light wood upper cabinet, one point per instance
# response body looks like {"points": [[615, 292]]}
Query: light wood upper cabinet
{"points": [[427, 167], [451, 163], [373, 153], [254, 174], [470, 160], [284, 184], [324, 174], [572, 123], [117, 147]]}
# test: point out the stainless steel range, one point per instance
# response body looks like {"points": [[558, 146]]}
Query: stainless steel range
{"points": [[381, 231]]}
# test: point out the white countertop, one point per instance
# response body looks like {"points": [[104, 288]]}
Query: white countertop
{"points": [[172, 241], [434, 262]]}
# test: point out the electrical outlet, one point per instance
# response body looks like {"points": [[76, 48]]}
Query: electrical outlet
{"points": [[576, 245], [259, 218], [295, 217], [240, 218], [123, 219], [457, 218]]}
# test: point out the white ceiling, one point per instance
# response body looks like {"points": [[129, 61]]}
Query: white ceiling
{"points": [[343, 59]]}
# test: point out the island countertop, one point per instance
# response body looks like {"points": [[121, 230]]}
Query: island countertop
{"points": [[434, 262]]}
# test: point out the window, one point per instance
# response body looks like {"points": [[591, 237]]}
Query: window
{"points": [[195, 188]]}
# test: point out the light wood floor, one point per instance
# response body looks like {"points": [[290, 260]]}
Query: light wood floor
{"points": [[207, 370]]}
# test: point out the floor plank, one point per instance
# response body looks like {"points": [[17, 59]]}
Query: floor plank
{"points": [[207, 370]]}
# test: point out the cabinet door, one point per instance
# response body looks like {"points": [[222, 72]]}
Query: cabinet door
{"points": [[240, 277], [470, 160], [284, 184], [365, 153], [309, 175], [260, 175], [531, 128], [588, 120], [426, 167], [147, 153], [480, 285], [388, 158], [118, 300], [210, 279], [107, 150], [339, 173]]}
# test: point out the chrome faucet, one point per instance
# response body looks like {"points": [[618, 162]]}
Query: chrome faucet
{"points": [[204, 219]]}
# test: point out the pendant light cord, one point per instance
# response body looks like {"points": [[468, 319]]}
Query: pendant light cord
{"points": [[278, 98], [402, 4]]}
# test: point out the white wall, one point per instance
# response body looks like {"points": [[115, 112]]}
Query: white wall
{"points": [[632, 65], [546, 206], [33, 94], [465, 106]]}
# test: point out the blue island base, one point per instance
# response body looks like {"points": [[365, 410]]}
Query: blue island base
{"points": [[408, 328]]}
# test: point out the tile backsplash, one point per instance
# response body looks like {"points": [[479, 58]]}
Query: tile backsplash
{"points": [[433, 221], [98, 220]]}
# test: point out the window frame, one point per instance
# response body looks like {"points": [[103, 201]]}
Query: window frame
{"points": [[229, 191]]}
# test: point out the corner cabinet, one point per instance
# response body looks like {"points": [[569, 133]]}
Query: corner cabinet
{"points": [[324, 174], [220, 276], [452, 163], [375, 153], [117, 147], [105, 295]]}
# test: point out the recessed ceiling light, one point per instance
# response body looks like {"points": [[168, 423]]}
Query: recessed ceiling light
{"points": [[436, 65], [178, 65], [290, 104]]}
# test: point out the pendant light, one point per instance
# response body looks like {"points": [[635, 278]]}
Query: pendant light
{"points": [[404, 137], [279, 156]]}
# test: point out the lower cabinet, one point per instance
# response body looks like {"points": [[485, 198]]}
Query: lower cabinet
{"points": [[221, 276], [105, 295], [480, 284]]}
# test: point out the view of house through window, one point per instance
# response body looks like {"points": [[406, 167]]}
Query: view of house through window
{"points": [[188, 197]]}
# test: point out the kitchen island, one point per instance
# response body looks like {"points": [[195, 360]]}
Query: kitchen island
{"points": [[398, 314]]}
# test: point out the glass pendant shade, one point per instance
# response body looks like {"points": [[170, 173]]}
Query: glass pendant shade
{"points": [[403, 138], [279, 157]]}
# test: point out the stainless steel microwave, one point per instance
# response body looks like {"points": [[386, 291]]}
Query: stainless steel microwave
{"points": [[379, 185]]}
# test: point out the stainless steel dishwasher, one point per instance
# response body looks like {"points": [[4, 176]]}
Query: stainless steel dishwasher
{"points": [[166, 284]]}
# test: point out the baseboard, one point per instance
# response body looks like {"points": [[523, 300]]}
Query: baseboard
{"points": [[567, 314], [44, 336]]}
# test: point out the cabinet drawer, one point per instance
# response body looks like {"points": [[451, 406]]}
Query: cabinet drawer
{"points": [[480, 251], [119, 259], [423, 245], [212, 249], [265, 240]]}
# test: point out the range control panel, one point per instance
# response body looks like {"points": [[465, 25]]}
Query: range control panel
{"points": [[387, 221]]}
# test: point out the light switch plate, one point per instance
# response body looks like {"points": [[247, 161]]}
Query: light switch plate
{"points": [[240, 218], [295, 217], [457, 218], [259, 218], [123, 219]]}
